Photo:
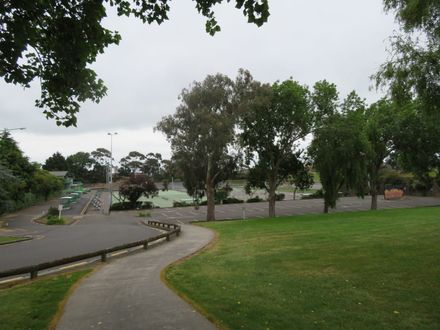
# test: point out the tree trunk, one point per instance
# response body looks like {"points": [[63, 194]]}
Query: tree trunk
{"points": [[373, 199], [374, 186], [210, 214], [271, 199], [210, 195], [325, 206], [435, 187]]}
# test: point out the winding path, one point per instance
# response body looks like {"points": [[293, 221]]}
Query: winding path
{"points": [[129, 294]]}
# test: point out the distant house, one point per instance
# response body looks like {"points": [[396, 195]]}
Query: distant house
{"points": [[68, 181]]}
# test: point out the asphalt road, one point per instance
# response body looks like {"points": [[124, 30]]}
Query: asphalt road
{"points": [[90, 233]]}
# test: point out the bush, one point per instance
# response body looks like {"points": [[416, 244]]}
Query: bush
{"points": [[316, 194], [229, 200], [52, 211], [144, 214], [232, 200], [255, 199], [124, 206], [182, 204], [147, 205], [53, 220], [280, 197]]}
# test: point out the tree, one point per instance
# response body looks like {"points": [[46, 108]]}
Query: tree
{"points": [[101, 165], [132, 163], [21, 183], [56, 162], [137, 185], [201, 132], [79, 165], [12, 157], [325, 101], [412, 76], [46, 183], [380, 127], [414, 65], [8, 183], [339, 150], [56, 41], [152, 166], [302, 180], [416, 143], [278, 117]]}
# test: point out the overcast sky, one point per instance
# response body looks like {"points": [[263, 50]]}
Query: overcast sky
{"points": [[343, 41]]}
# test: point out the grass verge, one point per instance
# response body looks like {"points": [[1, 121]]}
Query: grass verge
{"points": [[53, 220], [33, 305], [12, 239], [362, 270]]}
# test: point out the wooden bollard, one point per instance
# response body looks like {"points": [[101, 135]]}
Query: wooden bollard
{"points": [[168, 237], [103, 257], [34, 274], [145, 245]]}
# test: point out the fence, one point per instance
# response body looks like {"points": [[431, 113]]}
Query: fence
{"points": [[171, 229]]}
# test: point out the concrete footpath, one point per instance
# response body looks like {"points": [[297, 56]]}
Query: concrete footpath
{"points": [[129, 294]]}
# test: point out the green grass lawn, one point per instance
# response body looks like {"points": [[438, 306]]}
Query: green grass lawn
{"points": [[34, 305], [363, 270], [11, 239]]}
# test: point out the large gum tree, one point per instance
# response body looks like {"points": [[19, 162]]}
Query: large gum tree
{"points": [[201, 133], [277, 118]]}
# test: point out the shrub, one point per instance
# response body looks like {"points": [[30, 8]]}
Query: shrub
{"points": [[280, 197], [222, 193], [147, 205], [182, 204], [255, 199], [232, 200], [144, 214], [136, 186], [52, 211], [316, 194], [124, 206], [53, 220]]}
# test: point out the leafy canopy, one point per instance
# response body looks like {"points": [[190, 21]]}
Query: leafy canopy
{"points": [[56, 41], [413, 70], [277, 118]]}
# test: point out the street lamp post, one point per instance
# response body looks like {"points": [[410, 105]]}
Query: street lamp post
{"points": [[110, 176]]}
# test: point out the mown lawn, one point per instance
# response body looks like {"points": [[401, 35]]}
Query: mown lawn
{"points": [[363, 270], [34, 305]]}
